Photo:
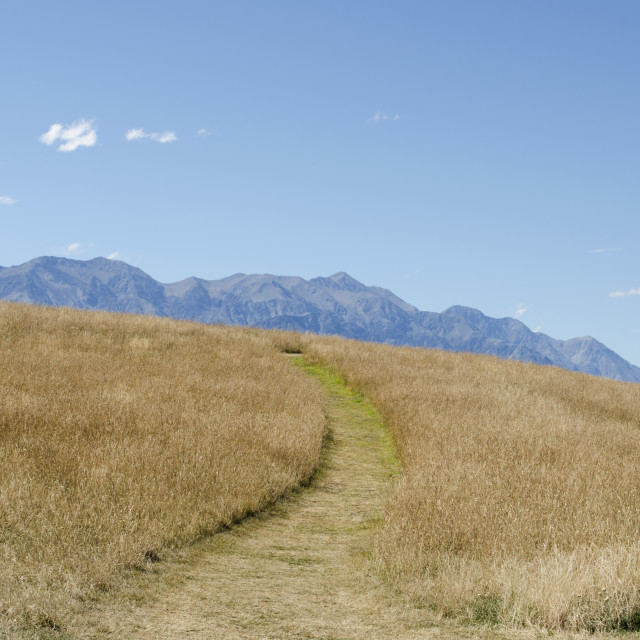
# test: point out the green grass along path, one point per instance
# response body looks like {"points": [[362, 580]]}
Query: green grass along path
{"points": [[303, 569]]}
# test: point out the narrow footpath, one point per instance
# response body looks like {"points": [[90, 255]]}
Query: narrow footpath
{"points": [[303, 570]]}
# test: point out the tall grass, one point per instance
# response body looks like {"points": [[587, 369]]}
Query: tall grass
{"points": [[122, 436], [520, 500]]}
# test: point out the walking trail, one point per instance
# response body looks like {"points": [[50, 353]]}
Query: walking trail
{"points": [[303, 570]]}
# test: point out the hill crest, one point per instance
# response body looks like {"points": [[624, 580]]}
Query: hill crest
{"points": [[338, 304]]}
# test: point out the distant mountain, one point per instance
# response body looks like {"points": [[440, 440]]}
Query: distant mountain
{"points": [[337, 305]]}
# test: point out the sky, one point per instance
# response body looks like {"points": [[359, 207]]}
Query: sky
{"points": [[481, 153]]}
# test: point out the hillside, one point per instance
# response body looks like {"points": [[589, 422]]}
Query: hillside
{"points": [[337, 305], [519, 501], [122, 437], [128, 443]]}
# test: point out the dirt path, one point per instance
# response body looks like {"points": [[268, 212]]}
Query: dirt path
{"points": [[303, 571]]}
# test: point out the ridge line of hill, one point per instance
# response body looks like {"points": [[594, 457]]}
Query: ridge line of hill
{"points": [[334, 305]]}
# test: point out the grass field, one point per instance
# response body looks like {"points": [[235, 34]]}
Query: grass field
{"points": [[122, 436], [520, 499]]}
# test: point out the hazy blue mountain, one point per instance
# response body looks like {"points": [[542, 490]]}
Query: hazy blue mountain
{"points": [[337, 305]]}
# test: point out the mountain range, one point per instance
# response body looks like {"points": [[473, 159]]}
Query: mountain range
{"points": [[338, 305]]}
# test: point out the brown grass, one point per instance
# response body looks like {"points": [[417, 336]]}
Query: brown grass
{"points": [[520, 501], [122, 436], [300, 571]]}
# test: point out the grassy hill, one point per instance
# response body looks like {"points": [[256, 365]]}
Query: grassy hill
{"points": [[124, 436], [520, 498]]}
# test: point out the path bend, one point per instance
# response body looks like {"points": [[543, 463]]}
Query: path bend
{"points": [[305, 570]]}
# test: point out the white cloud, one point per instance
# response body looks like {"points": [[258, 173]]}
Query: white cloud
{"points": [[141, 134], [537, 329], [521, 309], [6, 200], [379, 116], [135, 134], [204, 133], [52, 135], [612, 250], [114, 256], [81, 133], [166, 136], [72, 248], [624, 294]]}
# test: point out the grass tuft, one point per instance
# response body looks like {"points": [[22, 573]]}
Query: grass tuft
{"points": [[486, 609]]}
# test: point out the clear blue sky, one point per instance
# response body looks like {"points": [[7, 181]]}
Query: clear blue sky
{"points": [[483, 153]]}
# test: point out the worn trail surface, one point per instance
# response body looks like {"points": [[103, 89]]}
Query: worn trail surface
{"points": [[304, 570]]}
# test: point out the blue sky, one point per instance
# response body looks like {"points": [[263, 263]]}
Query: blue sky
{"points": [[483, 153]]}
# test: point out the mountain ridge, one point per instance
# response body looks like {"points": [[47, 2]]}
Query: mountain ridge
{"points": [[338, 304]]}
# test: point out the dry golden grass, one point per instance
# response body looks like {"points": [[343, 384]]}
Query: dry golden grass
{"points": [[300, 571], [122, 436], [520, 500]]}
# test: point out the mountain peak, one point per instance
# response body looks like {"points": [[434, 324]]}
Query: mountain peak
{"points": [[342, 276], [463, 312], [44, 260], [345, 281]]}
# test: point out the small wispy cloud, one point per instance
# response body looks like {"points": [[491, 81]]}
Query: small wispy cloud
{"points": [[624, 294], [204, 133], [521, 310], [379, 116], [610, 250], [537, 329], [167, 136], [114, 256], [6, 200], [72, 249], [141, 134], [135, 134], [81, 133]]}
